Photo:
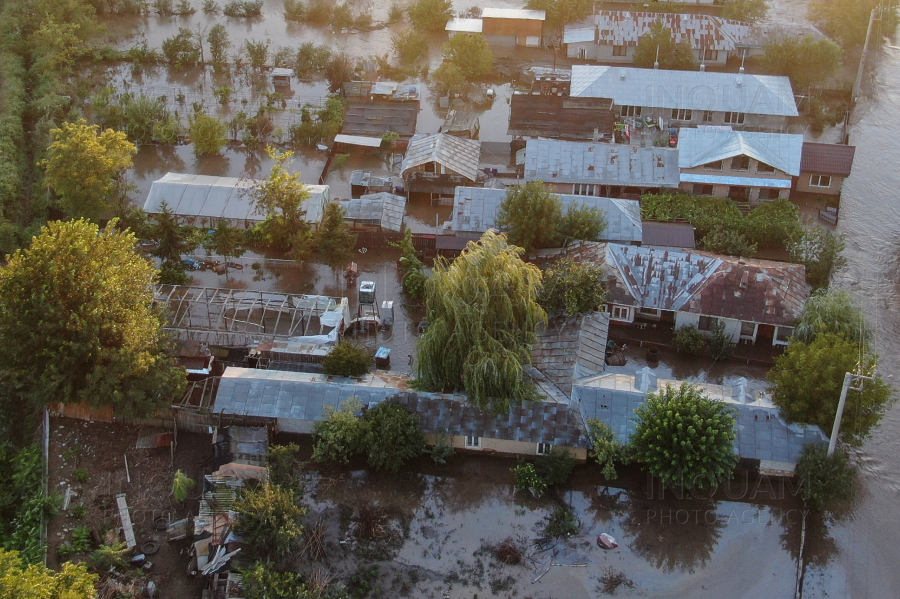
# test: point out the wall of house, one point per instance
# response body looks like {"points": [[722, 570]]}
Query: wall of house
{"points": [[605, 53], [722, 191], [504, 446], [833, 190], [512, 27], [732, 326], [752, 122]]}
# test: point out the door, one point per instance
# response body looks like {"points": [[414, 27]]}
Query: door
{"points": [[765, 334]]}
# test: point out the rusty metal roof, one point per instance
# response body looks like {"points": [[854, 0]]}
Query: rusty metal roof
{"points": [[554, 116], [625, 28], [831, 159]]}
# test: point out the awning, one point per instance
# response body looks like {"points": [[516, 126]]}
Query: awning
{"points": [[736, 181], [358, 140]]}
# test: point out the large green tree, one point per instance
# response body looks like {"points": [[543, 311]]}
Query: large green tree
{"points": [[562, 12], [208, 134], [807, 380], [86, 169], [482, 313], [532, 218], [848, 20], [18, 581], [685, 438], [832, 311], [270, 519], [805, 60], [281, 199], [79, 303], [396, 436], [470, 53], [334, 241], [571, 287], [672, 54], [430, 15]]}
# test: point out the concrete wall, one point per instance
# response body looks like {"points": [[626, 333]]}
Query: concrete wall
{"points": [[506, 447], [834, 190]]}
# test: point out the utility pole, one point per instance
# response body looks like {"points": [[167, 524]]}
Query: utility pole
{"points": [[862, 59], [848, 381]]}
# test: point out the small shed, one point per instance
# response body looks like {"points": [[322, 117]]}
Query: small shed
{"points": [[381, 211], [374, 119], [461, 124], [363, 182], [282, 77], [439, 163], [513, 26]]}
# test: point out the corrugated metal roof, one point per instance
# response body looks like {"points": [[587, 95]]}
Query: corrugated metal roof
{"points": [[358, 140], [475, 210], [464, 25], [572, 349], [557, 161], [625, 28], [513, 13], [555, 116], [831, 159], [373, 119], [761, 432], [195, 196], [702, 145], [457, 154], [386, 208], [579, 33], [692, 90]]}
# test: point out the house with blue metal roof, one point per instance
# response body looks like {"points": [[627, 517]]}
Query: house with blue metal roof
{"points": [[690, 98], [762, 434], [746, 166]]}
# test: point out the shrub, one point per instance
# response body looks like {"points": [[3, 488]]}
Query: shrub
{"points": [[81, 475], [555, 467], [690, 340], [394, 436], [409, 45], [285, 467], [442, 450], [181, 50], [181, 486], [430, 15], [826, 482], [243, 8], [208, 134], [341, 435], [561, 523], [270, 520], [720, 343], [572, 287], [347, 359], [606, 450], [527, 479], [294, 10]]}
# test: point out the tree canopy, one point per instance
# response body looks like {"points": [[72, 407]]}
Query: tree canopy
{"points": [[749, 11], [281, 198], [832, 311], [430, 15], [85, 168], [820, 251], [79, 303], [482, 314], [807, 380], [848, 20], [18, 581], [208, 134], [348, 359], [672, 54], [562, 12], [334, 241], [270, 519], [470, 53], [685, 438], [805, 60], [571, 287]]}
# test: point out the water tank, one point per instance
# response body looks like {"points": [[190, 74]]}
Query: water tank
{"points": [[387, 313], [367, 292]]}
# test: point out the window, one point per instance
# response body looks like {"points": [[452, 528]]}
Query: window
{"points": [[819, 181], [682, 114], [713, 166], [783, 334], [631, 111], [734, 118], [621, 313], [762, 167], [620, 50], [711, 55], [740, 163], [473, 442], [748, 329], [702, 189], [583, 189], [707, 323], [544, 448], [739, 193], [582, 53], [707, 116]]}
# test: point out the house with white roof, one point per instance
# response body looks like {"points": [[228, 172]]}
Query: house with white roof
{"points": [[611, 36], [690, 98], [503, 26], [475, 211], [746, 166], [204, 200], [600, 169]]}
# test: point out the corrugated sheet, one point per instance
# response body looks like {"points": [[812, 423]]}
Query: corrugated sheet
{"points": [[454, 153], [373, 119], [829, 159], [572, 349], [555, 116], [475, 210], [693, 90], [461, 25], [557, 161], [625, 28], [737, 181], [386, 208], [513, 13], [702, 145]]}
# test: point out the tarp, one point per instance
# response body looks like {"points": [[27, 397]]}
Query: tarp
{"points": [[358, 140]]}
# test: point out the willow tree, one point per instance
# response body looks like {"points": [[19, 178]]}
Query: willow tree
{"points": [[482, 314]]}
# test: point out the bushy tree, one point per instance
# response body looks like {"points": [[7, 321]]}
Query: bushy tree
{"points": [[848, 20], [530, 216], [263, 581], [555, 467], [173, 239], [412, 270], [807, 380], [334, 241], [409, 45], [19, 581], [482, 315], [749, 11], [582, 222], [562, 12], [218, 41], [820, 251], [605, 449], [341, 435], [471, 54], [395, 436], [79, 301], [208, 134], [226, 241], [338, 71], [685, 438], [774, 224], [430, 15], [270, 518], [690, 340], [720, 344], [672, 54], [182, 485], [86, 169], [448, 78], [571, 287], [806, 60], [281, 197], [348, 359], [181, 50], [832, 311], [285, 467], [826, 482]]}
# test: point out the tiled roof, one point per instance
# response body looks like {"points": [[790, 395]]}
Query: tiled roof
{"points": [[557, 161], [555, 116], [455, 153], [387, 208], [533, 422], [697, 282], [475, 210], [625, 28], [702, 145], [761, 432], [572, 349], [692, 90], [673, 235], [831, 159]]}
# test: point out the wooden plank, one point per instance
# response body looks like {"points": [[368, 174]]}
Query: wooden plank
{"points": [[127, 527]]}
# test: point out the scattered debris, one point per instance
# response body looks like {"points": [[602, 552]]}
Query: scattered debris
{"points": [[370, 523], [314, 548], [613, 579], [508, 553]]}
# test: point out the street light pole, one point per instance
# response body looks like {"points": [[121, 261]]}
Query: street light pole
{"points": [[848, 381]]}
